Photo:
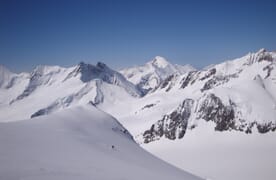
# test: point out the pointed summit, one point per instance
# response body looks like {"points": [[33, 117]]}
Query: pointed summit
{"points": [[102, 65], [160, 62], [147, 77], [262, 50]]}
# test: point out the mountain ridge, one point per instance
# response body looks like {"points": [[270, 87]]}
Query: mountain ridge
{"points": [[235, 98]]}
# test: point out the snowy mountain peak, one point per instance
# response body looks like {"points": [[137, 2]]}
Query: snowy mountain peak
{"points": [[262, 50], [149, 76], [261, 55], [43, 69], [100, 71], [102, 65], [160, 62]]}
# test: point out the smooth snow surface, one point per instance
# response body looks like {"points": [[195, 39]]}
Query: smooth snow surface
{"points": [[76, 144], [220, 156]]}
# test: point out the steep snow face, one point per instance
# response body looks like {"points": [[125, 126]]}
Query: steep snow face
{"points": [[150, 75], [51, 88], [78, 143]]}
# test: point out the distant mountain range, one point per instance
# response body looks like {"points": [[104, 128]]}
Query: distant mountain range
{"points": [[155, 102], [235, 95]]}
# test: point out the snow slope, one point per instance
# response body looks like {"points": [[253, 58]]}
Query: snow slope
{"points": [[220, 156], [77, 144]]}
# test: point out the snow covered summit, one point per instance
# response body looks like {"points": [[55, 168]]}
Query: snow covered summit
{"points": [[51, 88], [160, 62], [147, 77]]}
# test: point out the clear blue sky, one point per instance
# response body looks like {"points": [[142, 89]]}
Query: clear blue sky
{"points": [[124, 33]]}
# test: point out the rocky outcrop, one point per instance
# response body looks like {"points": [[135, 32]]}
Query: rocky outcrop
{"points": [[212, 109], [266, 127], [169, 82], [171, 126], [225, 115], [187, 80], [209, 74], [268, 70]]}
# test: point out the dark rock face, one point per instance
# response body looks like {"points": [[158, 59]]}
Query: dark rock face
{"points": [[212, 109], [209, 74], [40, 112], [169, 82], [154, 133], [148, 106], [173, 125], [166, 82], [268, 69], [264, 128], [185, 81], [209, 108], [265, 56]]}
